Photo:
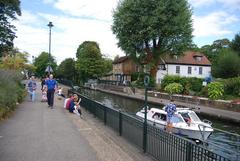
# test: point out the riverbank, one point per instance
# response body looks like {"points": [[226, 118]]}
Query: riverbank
{"points": [[230, 116]]}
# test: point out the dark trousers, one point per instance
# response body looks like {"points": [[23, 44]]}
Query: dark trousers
{"points": [[50, 96]]}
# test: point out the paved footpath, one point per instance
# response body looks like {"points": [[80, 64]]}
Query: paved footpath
{"points": [[38, 133]]}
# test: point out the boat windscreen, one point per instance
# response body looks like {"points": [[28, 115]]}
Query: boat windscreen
{"points": [[194, 116], [176, 119]]}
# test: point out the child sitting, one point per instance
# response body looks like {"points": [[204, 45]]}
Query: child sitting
{"points": [[59, 92]]}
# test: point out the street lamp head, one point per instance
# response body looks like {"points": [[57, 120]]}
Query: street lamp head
{"points": [[50, 25]]}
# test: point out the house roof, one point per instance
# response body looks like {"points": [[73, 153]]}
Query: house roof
{"points": [[120, 60], [188, 58]]}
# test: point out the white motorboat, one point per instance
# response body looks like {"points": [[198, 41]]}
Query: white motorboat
{"points": [[185, 122]]}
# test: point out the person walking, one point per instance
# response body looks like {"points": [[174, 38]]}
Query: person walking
{"points": [[51, 87], [32, 86]]}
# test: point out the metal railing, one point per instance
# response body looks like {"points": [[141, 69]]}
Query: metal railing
{"points": [[161, 145]]}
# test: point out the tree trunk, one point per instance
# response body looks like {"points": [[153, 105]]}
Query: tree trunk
{"points": [[153, 70]]}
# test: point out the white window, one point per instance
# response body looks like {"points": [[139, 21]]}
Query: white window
{"points": [[200, 70], [177, 69], [189, 70]]}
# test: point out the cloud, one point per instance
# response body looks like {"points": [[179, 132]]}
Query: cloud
{"points": [[198, 3], [229, 4], [67, 34], [95, 9], [214, 24]]}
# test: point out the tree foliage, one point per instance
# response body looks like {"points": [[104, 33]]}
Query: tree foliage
{"points": [[227, 65], [89, 62], [235, 44], [66, 69], [155, 27], [41, 62], [9, 9]]}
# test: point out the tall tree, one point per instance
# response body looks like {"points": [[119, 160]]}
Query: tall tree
{"points": [[235, 44], [227, 65], [89, 63], [41, 63], [9, 9], [66, 69], [153, 27]]}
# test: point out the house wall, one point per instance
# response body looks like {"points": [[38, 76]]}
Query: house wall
{"points": [[171, 70]]}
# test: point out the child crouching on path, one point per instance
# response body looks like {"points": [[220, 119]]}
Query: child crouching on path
{"points": [[75, 106]]}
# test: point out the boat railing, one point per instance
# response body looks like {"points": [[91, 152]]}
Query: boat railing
{"points": [[201, 128], [207, 121]]}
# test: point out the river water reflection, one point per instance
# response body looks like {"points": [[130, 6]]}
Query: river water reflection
{"points": [[223, 142]]}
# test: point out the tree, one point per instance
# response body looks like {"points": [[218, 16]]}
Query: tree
{"points": [[41, 62], [213, 51], [66, 69], [107, 64], [89, 62], [235, 44], [9, 9], [153, 27], [227, 65]]}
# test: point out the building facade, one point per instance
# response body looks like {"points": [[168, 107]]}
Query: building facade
{"points": [[190, 64]]}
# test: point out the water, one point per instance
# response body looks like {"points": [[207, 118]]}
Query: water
{"points": [[224, 143]]}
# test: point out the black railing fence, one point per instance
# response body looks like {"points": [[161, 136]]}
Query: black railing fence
{"points": [[160, 144]]}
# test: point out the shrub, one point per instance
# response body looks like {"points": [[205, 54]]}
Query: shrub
{"points": [[188, 83], [11, 90], [215, 90], [174, 88], [232, 86]]}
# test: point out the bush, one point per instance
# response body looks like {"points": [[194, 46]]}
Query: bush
{"points": [[215, 90], [174, 88], [231, 86], [11, 90], [189, 83]]}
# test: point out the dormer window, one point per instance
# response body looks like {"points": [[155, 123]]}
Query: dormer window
{"points": [[198, 58]]}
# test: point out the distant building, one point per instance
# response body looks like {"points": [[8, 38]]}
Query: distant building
{"points": [[190, 64], [123, 68]]}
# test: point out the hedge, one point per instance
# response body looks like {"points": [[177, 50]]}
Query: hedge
{"points": [[12, 91]]}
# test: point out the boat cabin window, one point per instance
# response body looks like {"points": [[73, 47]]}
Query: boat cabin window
{"points": [[190, 116], [194, 116], [185, 116], [159, 116], [176, 119]]}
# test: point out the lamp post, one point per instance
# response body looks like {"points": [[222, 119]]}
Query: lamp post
{"points": [[146, 83], [50, 25]]}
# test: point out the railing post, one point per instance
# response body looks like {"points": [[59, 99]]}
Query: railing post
{"points": [[189, 151], [120, 123], [105, 115]]}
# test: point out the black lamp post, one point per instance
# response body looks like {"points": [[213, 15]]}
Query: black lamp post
{"points": [[50, 25], [146, 83]]}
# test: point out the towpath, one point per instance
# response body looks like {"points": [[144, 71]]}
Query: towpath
{"points": [[37, 133]]}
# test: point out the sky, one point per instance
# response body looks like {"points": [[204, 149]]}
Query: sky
{"points": [[76, 21]]}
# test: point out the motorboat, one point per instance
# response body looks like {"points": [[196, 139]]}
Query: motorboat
{"points": [[185, 122]]}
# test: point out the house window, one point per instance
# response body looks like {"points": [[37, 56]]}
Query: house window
{"points": [[189, 70], [200, 70], [177, 69], [162, 67]]}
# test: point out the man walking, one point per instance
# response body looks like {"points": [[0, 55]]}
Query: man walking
{"points": [[51, 87]]}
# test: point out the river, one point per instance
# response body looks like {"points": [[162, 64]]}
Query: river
{"points": [[225, 138]]}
